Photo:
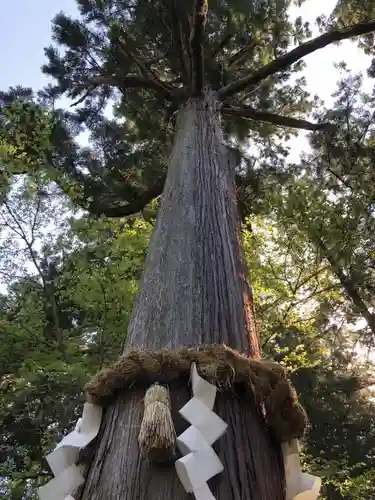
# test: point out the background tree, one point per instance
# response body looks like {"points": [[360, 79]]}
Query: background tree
{"points": [[66, 304], [331, 198]]}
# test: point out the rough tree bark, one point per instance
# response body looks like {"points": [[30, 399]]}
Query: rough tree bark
{"points": [[194, 291]]}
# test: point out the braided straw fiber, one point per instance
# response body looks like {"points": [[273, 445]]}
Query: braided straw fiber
{"points": [[219, 365]]}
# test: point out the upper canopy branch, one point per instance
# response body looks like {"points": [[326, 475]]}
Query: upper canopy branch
{"points": [[128, 82], [265, 116], [145, 70], [197, 39], [228, 35], [179, 43], [242, 54], [224, 42], [283, 62]]}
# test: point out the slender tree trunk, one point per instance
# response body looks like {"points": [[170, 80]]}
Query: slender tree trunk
{"points": [[348, 285], [194, 291]]}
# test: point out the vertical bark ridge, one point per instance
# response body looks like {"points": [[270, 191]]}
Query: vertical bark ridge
{"points": [[194, 290]]}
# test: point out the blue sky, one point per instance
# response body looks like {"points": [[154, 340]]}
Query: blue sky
{"points": [[25, 29]]}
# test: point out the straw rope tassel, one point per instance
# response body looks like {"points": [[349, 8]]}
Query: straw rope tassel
{"points": [[157, 436]]}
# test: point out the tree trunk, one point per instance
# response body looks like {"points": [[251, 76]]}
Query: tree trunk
{"points": [[194, 291], [348, 285]]}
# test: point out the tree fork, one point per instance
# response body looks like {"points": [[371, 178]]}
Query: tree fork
{"points": [[194, 291]]}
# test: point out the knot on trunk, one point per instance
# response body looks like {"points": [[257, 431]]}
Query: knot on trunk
{"points": [[264, 380]]}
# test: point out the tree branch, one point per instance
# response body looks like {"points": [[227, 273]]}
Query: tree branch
{"points": [[128, 82], [333, 172], [197, 39], [99, 207], [295, 55], [242, 54], [178, 41], [227, 37], [146, 71], [84, 96], [346, 281], [28, 245], [161, 88], [265, 116]]}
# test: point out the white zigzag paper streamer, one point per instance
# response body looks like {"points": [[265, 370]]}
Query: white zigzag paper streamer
{"points": [[299, 485], [200, 462], [63, 458]]}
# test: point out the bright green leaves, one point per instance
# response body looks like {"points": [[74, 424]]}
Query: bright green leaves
{"points": [[26, 128], [65, 314]]}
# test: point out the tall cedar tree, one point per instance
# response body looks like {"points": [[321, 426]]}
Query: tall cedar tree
{"points": [[175, 70]]}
